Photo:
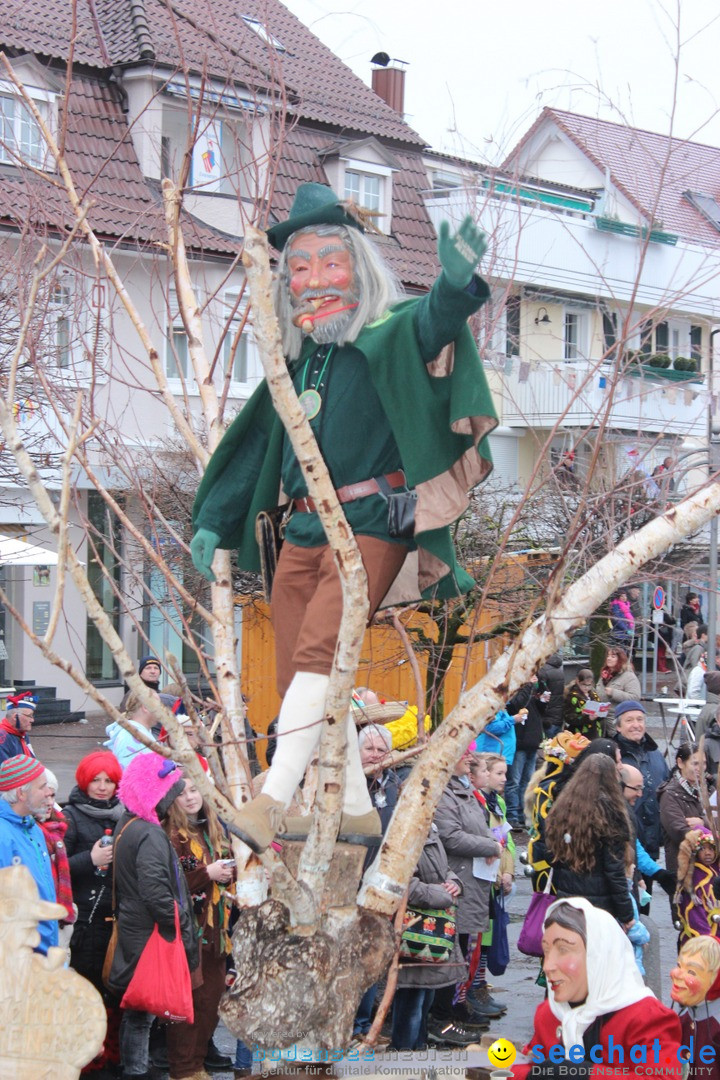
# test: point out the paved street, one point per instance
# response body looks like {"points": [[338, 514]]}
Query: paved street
{"points": [[61, 746]]}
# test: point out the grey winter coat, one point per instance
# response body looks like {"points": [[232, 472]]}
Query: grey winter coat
{"points": [[712, 749], [426, 890], [625, 686], [465, 835], [553, 676], [708, 713]]}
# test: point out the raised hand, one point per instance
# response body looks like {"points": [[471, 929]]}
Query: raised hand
{"points": [[202, 549], [459, 254]]}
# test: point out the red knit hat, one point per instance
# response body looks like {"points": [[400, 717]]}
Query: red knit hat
{"points": [[17, 771], [93, 764]]}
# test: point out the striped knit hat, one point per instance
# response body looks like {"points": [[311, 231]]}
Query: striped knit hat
{"points": [[17, 771]]}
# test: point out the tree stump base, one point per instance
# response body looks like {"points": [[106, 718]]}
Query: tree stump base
{"points": [[343, 878], [301, 994]]}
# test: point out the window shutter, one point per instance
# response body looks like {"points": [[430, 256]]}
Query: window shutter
{"points": [[505, 458]]}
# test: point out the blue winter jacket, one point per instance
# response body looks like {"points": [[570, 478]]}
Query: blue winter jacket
{"points": [[498, 737], [123, 745], [647, 867], [22, 841]]}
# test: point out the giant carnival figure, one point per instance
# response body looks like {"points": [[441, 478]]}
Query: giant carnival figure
{"points": [[396, 396]]}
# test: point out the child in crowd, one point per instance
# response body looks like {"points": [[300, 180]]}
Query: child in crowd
{"points": [[638, 933], [698, 865], [577, 694], [488, 775], [498, 736]]}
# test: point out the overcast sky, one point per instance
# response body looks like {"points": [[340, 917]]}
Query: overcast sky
{"points": [[479, 72]]}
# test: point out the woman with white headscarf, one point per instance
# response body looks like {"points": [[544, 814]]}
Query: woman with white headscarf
{"points": [[595, 995]]}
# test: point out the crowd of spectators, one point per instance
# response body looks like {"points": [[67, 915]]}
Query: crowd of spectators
{"points": [[572, 769]]}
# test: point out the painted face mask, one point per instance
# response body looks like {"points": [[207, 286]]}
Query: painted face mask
{"points": [[323, 288], [691, 980]]}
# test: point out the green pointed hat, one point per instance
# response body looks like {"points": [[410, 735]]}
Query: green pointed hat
{"points": [[315, 204]]}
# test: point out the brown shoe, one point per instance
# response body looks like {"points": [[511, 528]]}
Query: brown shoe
{"points": [[260, 821], [363, 829]]}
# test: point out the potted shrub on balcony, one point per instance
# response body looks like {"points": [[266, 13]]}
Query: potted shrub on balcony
{"points": [[659, 367]]}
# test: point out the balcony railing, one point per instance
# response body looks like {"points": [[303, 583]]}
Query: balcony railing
{"points": [[581, 394]]}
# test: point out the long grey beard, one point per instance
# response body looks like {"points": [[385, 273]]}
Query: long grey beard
{"points": [[332, 328]]}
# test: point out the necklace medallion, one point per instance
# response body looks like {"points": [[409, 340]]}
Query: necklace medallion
{"points": [[311, 403]]}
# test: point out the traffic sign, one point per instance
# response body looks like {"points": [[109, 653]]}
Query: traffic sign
{"points": [[659, 598]]}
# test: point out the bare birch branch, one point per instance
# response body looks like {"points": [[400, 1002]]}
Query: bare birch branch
{"points": [[415, 667], [390, 979], [63, 511], [237, 769]]}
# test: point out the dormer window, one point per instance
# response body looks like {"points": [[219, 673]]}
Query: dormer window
{"points": [[21, 142], [364, 188], [223, 158], [362, 171]]}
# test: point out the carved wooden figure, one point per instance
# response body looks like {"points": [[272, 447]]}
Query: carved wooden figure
{"points": [[53, 1020]]}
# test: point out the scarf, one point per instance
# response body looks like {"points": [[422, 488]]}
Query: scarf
{"points": [[688, 787], [614, 981], [212, 900], [98, 809], [21, 735], [708, 1009], [54, 830]]}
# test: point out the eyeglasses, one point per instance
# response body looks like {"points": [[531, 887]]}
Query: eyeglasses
{"points": [[639, 788]]}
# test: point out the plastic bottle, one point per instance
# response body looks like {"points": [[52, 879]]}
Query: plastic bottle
{"points": [[105, 841]]}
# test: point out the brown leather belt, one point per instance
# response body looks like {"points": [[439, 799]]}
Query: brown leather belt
{"points": [[353, 491]]}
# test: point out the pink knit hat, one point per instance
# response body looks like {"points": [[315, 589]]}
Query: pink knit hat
{"points": [[150, 785]]}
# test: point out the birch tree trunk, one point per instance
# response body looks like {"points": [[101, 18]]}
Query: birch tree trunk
{"points": [[235, 757], [331, 770]]}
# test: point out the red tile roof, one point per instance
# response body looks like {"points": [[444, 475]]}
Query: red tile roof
{"points": [[208, 35], [46, 29], [102, 160], [651, 170], [326, 102]]}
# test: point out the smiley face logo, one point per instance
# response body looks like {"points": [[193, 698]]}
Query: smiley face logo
{"points": [[502, 1053]]}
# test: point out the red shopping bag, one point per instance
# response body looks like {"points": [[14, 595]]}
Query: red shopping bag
{"points": [[161, 982]]}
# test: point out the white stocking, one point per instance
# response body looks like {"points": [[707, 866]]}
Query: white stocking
{"points": [[302, 707]]}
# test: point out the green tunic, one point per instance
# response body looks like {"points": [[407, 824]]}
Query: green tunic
{"points": [[419, 399]]}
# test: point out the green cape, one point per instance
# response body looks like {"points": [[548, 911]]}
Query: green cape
{"points": [[440, 414]]}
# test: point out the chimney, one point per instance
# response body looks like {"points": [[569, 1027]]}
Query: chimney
{"points": [[388, 81]]}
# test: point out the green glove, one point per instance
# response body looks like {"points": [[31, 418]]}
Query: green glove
{"points": [[460, 254], [202, 550]]}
